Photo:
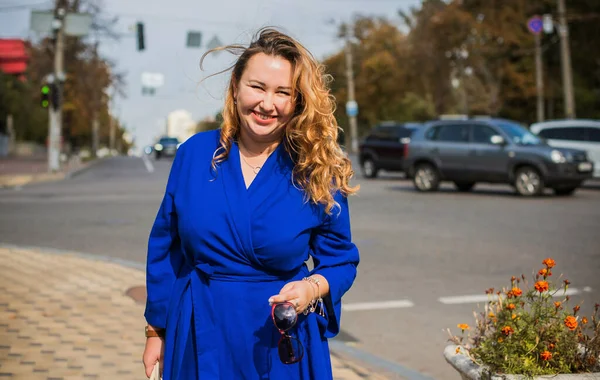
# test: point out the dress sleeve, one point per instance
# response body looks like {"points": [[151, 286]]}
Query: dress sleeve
{"points": [[164, 255], [335, 258]]}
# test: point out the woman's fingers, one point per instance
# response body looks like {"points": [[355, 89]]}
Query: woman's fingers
{"points": [[152, 353]]}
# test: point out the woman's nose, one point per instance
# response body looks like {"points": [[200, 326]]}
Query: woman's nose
{"points": [[267, 103]]}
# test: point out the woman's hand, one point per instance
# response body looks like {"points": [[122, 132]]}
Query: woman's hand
{"points": [[299, 293], [153, 352]]}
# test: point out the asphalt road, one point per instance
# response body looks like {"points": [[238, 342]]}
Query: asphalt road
{"points": [[416, 249]]}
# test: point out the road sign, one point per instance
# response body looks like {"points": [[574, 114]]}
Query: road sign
{"points": [[194, 39], [352, 108], [535, 24], [548, 24], [153, 80]]}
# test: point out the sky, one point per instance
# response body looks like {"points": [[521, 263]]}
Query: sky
{"points": [[313, 22]]}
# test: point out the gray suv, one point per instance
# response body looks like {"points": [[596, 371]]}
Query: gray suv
{"points": [[494, 151]]}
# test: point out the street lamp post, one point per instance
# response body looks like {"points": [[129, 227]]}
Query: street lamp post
{"points": [[55, 114]]}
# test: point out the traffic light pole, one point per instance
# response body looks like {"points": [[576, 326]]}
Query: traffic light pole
{"points": [[565, 55], [55, 110], [351, 95]]}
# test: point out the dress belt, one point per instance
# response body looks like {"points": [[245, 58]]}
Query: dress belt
{"points": [[192, 301]]}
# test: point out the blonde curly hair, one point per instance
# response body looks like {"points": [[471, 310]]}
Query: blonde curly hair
{"points": [[321, 167]]}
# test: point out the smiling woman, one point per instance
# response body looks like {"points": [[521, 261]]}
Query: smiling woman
{"points": [[225, 259]]}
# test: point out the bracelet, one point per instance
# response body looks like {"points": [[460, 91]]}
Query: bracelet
{"points": [[154, 333], [315, 303]]}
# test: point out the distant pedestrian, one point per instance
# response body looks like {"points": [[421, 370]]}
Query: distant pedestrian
{"points": [[229, 293]]}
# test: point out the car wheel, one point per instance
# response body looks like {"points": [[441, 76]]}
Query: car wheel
{"points": [[529, 182], [369, 169], [464, 186], [426, 178], [565, 190]]}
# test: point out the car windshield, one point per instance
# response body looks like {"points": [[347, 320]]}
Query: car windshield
{"points": [[517, 133], [169, 140]]}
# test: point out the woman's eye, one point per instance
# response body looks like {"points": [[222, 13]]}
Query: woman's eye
{"points": [[284, 93], [257, 87]]}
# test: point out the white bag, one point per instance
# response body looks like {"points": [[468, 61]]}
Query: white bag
{"points": [[156, 372]]}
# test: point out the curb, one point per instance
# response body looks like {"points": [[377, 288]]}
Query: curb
{"points": [[20, 180]]}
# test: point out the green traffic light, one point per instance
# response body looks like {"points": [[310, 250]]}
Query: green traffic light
{"points": [[45, 90]]}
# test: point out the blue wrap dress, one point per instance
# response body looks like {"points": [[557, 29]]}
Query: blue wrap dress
{"points": [[218, 250]]}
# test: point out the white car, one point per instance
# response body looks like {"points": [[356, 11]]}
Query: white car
{"points": [[574, 133]]}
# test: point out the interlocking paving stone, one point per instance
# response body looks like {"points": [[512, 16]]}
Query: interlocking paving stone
{"points": [[55, 325]]}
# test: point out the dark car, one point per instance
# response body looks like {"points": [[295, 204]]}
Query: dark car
{"points": [[384, 147], [494, 151], [166, 146]]}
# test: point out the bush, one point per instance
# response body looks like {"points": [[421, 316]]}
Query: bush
{"points": [[533, 331]]}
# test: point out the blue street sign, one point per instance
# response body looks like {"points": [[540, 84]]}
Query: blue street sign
{"points": [[351, 108], [535, 24]]}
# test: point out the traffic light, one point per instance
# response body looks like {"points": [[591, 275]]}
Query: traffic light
{"points": [[55, 96], [140, 36], [45, 98]]}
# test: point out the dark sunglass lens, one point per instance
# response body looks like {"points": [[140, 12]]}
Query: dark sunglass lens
{"points": [[290, 350], [284, 316]]}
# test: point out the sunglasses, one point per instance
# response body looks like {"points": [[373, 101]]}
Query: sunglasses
{"points": [[284, 318]]}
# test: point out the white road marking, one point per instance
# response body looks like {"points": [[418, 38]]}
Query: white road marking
{"points": [[485, 298], [147, 163], [382, 305]]}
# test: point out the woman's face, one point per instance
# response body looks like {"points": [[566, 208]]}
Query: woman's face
{"points": [[263, 96]]}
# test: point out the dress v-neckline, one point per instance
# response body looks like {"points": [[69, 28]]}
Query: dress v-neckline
{"points": [[265, 166]]}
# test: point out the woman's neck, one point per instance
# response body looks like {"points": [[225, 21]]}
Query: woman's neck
{"points": [[254, 149]]}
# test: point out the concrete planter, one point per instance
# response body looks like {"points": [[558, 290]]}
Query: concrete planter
{"points": [[469, 370]]}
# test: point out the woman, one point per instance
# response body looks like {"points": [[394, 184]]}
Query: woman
{"points": [[244, 209]]}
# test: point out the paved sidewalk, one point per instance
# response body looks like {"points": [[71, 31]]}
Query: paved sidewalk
{"points": [[20, 171], [68, 316]]}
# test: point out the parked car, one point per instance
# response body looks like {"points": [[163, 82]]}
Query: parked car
{"points": [[576, 133], [495, 151], [384, 147], [166, 146]]}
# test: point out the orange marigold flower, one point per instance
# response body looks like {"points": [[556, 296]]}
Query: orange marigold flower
{"points": [[514, 316], [517, 292], [463, 326], [491, 315], [584, 321], [511, 306], [541, 286], [507, 330], [551, 346], [500, 340], [543, 272], [557, 304], [549, 263], [457, 350], [546, 355], [571, 322]]}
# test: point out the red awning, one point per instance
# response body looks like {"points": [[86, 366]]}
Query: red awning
{"points": [[13, 56]]}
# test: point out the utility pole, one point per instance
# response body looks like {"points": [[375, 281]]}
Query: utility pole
{"points": [[539, 77], [55, 111], [351, 107], [565, 54], [96, 108], [112, 133]]}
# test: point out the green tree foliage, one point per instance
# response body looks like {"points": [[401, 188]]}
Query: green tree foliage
{"points": [[21, 99], [474, 56], [91, 80]]}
